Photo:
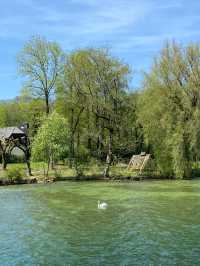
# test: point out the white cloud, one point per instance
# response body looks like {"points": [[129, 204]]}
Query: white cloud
{"points": [[104, 18]]}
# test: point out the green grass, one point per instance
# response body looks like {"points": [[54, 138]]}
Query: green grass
{"points": [[91, 170], [64, 172]]}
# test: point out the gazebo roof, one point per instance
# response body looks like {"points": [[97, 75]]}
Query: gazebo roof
{"points": [[7, 132]]}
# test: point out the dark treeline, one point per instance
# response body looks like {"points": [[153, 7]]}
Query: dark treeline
{"points": [[106, 120]]}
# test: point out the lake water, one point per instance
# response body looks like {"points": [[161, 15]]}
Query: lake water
{"points": [[146, 223]]}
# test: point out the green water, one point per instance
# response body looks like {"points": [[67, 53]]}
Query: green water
{"points": [[146, 223]]}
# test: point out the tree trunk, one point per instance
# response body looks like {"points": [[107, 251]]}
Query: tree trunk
{"points": [[29, 167], [47, 104], [4, 162], [89, 144], [78, 138], [99, 146], [48, 166], [109, 155], [52, 162], [100, 137], [27, 159], [71, 150], [89, 140], [71, 147]]}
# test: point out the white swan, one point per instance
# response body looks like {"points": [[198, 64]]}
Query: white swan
{"points": [[102, 205]]}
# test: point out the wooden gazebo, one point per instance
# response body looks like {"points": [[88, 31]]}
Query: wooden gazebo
{"points": [[15, 137]]}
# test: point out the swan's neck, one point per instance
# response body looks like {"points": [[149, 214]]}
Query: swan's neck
{"points": [[98, 203]]}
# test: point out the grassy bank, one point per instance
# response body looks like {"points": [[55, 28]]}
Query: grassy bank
{"points": [[17, 173]]}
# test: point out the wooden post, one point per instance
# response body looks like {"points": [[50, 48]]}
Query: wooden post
{"points": [[144, 162]]}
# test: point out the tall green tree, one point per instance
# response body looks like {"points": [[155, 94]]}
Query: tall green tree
{"points": [[169, 109], [95, 84], [50, 142], [40, 62]]}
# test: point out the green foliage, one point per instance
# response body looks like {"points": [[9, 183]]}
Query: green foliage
{"points": [[51, 140], [98, 117], [79, 169], [169, 109], [93, 95], [83, 154], [16, 112], [40, 61], [15, 174]]}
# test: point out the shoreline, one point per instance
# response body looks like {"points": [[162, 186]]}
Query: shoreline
{"points": [[35, 180]]}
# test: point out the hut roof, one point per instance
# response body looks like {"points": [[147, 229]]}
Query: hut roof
{"points": [[7, 132]]}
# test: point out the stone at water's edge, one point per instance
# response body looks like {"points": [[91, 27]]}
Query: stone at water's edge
{"points": [[6, 182]]}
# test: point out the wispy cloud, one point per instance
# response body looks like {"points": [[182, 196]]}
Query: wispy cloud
{"points": [[104, 17], [134, 29]]}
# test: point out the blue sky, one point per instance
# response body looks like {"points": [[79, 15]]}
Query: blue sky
{"points": [[134, 30]]}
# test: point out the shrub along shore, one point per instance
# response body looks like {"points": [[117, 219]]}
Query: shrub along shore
{"points": [[17, 174]]}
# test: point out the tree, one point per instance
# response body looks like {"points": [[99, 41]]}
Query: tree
{"points": [[94, 89], [70, 101], [169, 109], [50, 141], [4, 152], [40, 62]]}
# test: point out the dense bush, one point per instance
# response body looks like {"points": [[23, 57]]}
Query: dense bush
{"points": [[15, 174]]}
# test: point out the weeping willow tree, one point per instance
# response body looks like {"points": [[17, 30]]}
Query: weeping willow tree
{"points": [[94, 93], [170, 109]]}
